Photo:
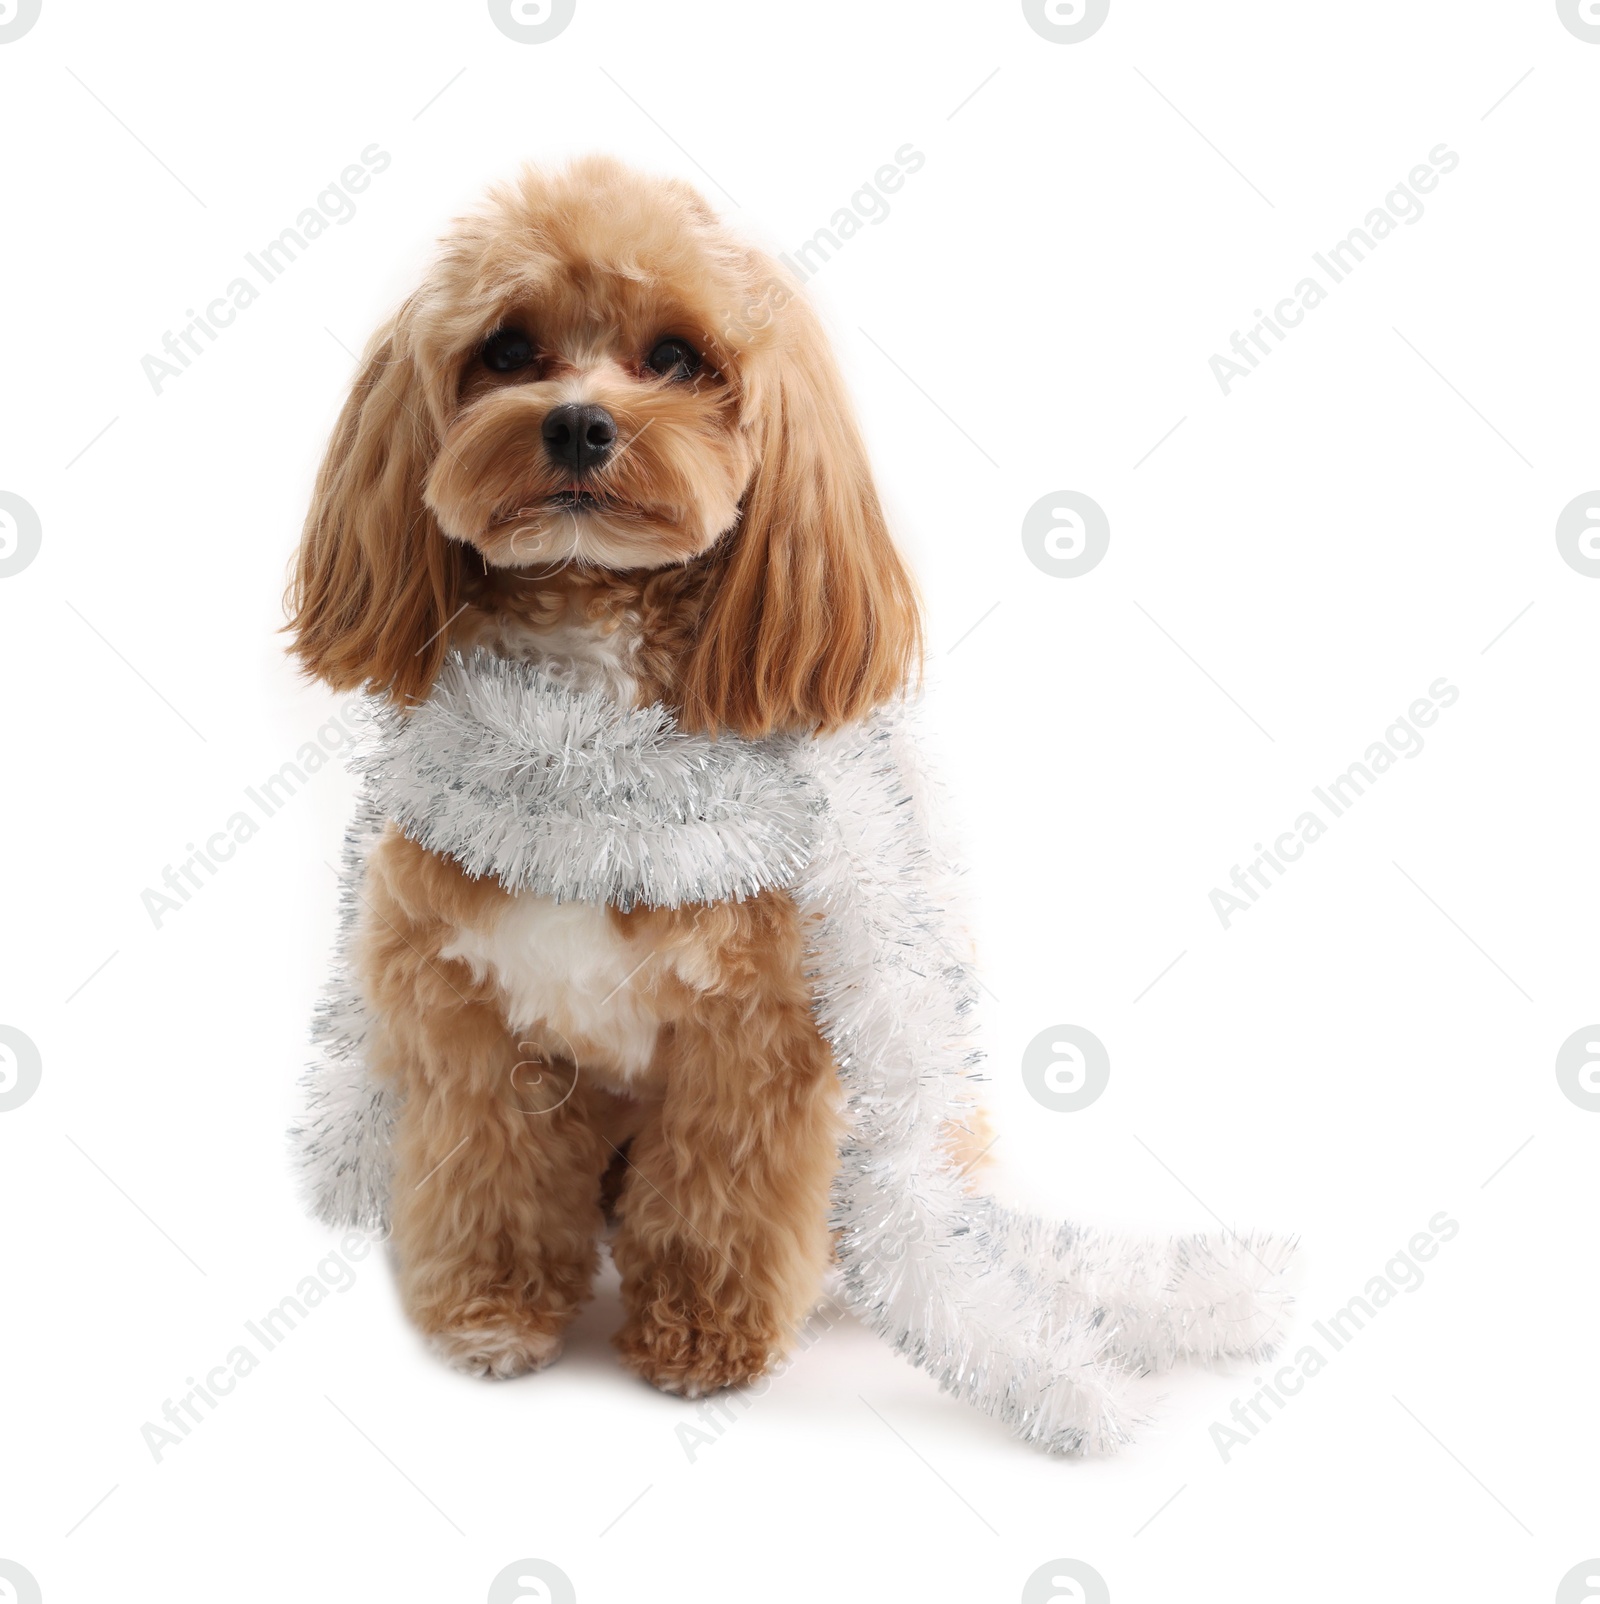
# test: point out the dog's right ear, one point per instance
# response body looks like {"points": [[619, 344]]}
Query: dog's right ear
{"points": [[375, 582]]}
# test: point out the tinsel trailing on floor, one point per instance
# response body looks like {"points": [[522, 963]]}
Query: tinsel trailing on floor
{"points": [[559, 791]]}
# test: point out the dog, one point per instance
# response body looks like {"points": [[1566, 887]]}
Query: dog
{"points": [[608, 437]]}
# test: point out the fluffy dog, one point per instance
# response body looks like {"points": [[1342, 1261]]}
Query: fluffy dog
{"points": [[605, 436]]}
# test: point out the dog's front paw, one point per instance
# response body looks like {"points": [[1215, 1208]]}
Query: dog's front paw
{"points": [[501, 1345], [695, 1356]]}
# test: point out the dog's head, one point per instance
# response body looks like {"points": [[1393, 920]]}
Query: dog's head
{"points": [[596, 374]]}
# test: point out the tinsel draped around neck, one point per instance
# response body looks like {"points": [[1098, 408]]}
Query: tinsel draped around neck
{"points": [[559, 791], [513, 773]]}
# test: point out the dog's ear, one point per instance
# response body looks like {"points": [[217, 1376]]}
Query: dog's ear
{"points": [[375, 582], [814, 618]]}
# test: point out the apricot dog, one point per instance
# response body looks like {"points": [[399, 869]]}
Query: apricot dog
{"points": [[606, 436]]}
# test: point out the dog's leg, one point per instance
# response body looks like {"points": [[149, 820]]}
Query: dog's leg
{"points": [[724, 1233], [496, 1206], [495, 1203]]}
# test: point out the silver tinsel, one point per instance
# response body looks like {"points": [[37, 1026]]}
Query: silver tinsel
{"points": [[559, 791], [342, 1141], [563, 792]]}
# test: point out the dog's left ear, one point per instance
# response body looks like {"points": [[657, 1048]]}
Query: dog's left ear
{"points": [[375, 581], [814, 618]]}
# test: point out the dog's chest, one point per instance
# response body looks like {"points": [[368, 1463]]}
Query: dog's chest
{"points": [[570, 969]]}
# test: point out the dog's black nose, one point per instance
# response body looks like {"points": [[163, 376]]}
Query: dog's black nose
{"points": [[579, 438]]}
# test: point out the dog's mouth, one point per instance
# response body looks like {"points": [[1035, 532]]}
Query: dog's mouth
{"points": [[575, 498]]}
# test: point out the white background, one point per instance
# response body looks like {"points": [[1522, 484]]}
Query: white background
{"points": [[1289, 569]]}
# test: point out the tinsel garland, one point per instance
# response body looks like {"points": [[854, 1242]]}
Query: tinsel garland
{"points": [[514, 774], [559, 791]]}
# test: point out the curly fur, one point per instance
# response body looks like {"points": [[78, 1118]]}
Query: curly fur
{"points": [[656, 890]]}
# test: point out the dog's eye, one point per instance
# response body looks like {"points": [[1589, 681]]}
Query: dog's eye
{"points": [[674, 359], [507, 350]]}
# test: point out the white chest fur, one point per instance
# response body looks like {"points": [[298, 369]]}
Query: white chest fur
{"points": [[568, 967]]}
